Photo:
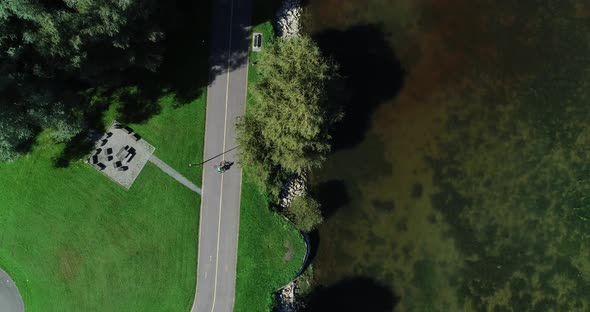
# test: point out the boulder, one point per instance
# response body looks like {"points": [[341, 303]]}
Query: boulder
{"points": [[286, 298], [295, 186], [288, 22]]}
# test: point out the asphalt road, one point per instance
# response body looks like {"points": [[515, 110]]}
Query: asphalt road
{"points": [[220, 204], [10, 299]]}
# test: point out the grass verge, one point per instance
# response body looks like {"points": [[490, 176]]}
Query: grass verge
{"points": [[270, 250]]}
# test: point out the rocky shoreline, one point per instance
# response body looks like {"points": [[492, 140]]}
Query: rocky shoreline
{"points": [[287, 25], [294, 187], [286, 297], [288, 19]]}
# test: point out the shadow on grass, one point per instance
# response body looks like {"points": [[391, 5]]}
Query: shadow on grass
{"points": [[353, 294], [78, 147], [184, 70], [27, 145], [138, 105], [192, 58], [371, 72], [81, 144], [181, 62]]}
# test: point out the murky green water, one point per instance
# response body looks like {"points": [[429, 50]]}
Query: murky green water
{"points": [[468, 186]]}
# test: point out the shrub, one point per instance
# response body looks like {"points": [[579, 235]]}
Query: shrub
{"points": [[305, 213]]}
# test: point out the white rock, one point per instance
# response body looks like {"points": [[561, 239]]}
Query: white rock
{"points": [[289, 18]]}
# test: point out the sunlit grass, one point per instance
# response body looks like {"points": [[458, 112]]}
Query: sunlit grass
{"points": [[73, 240]]}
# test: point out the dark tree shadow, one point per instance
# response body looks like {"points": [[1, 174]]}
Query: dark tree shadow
{"points": [[193, 56], [138, 105], [184, 69], [223, 54], [354, 295], [26, 146], [371, 73], [265, 10], [78, 147], [81, 144], [331, 195], [313, 239]]}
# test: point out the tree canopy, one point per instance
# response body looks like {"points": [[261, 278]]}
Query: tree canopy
{"points": [[45, 37], [50, 49], [288, 128], [305, 213]]}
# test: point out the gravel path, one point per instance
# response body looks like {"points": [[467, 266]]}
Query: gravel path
{"points": [[10, 299], [174, 174]]}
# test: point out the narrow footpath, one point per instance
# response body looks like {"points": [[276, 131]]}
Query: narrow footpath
{"points": [[174, 174]]}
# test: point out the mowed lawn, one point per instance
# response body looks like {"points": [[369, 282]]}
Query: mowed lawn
{"points": [[73, 240], [270, 249]]}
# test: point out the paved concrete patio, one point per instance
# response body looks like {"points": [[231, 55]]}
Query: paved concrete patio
{"points": [[121, 154]]}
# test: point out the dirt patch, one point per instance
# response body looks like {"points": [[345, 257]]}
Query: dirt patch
{"points": [[290, 252], [69, 261]]}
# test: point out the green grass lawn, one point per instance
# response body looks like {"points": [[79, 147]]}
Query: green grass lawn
{"points": [[270, 250], [73, 240]]}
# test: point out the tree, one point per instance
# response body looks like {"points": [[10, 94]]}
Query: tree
{"points": [[50, 50], [305, 213], [26, 108], [288, 128], [50, 36]]}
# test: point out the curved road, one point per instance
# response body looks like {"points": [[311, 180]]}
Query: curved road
{"points": [[10, 298], [220, 204]]}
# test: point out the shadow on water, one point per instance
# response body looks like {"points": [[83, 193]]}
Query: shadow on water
{"points": [[354, 294], [331, 195], [314, 243], [371, 72]]}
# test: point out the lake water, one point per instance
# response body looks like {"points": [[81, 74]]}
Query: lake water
{"points": [[460, 179]]}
